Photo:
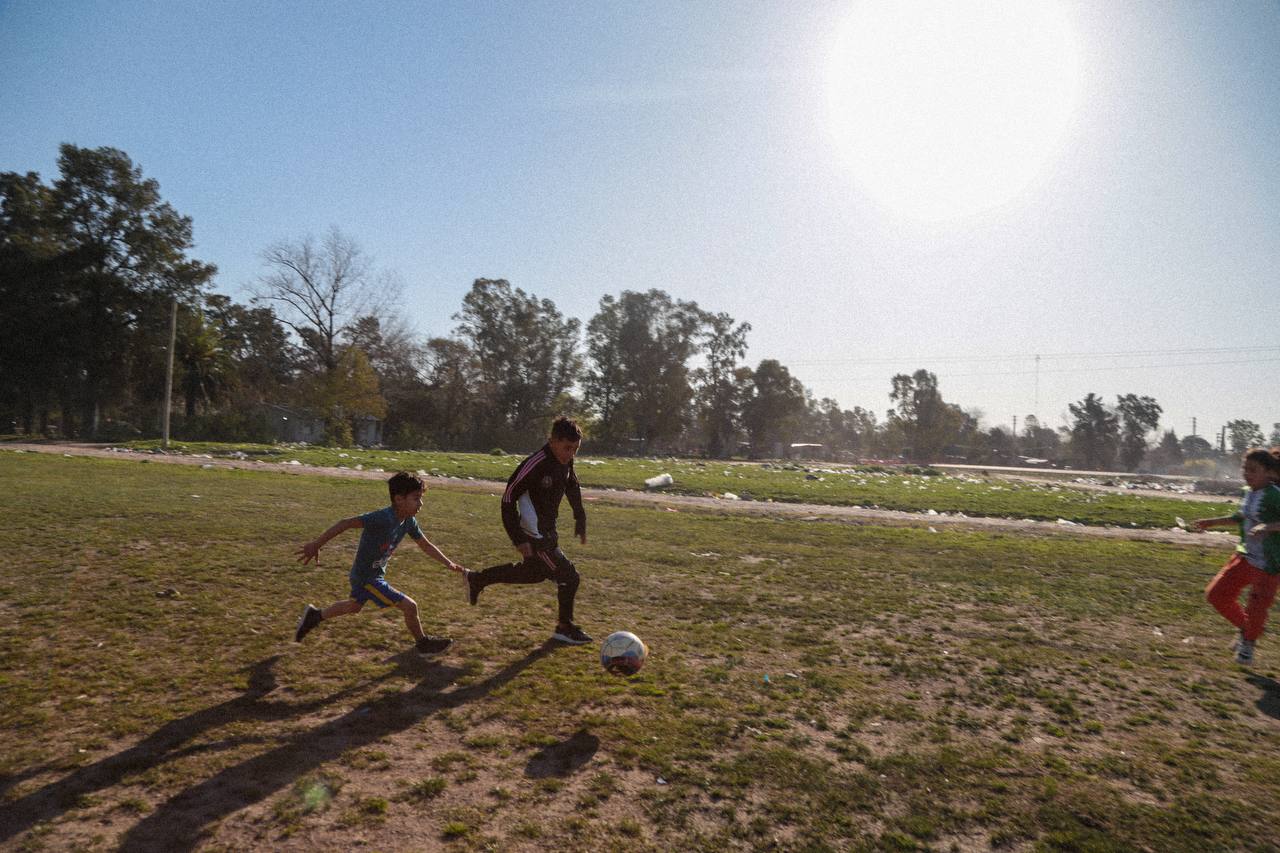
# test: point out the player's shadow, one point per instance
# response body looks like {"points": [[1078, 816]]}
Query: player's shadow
{"points": [[1269, 702], [170, 741], [563, 758], [180, 822]]}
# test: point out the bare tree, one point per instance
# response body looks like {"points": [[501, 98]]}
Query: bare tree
{"points": [[323, 286]]}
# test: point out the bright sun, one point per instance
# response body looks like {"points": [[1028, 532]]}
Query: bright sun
{"points": [[943, 108]]}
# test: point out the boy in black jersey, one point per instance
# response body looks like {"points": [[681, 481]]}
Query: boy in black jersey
{"points": [[530, 505]]}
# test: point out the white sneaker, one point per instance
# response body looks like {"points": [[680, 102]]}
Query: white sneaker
{"points": [[1244, 651]]}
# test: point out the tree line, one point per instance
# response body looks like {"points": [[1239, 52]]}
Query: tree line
{"points": [[91, 263]]}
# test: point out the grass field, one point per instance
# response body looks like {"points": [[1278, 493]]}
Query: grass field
{"points": [[813, 685], [816, 483]]}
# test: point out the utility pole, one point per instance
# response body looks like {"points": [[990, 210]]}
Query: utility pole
{"points": [[168, 373], [1193, 426], [1036, 411]]}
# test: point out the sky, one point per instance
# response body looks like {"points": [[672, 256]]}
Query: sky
{"points": [[875, 188]]}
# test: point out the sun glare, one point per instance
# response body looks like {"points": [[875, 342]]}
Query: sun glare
{"points": [[944, 108]]}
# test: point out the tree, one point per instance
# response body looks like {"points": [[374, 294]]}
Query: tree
{"points": [[1038, 442], [1168, 454], [323, 286], [638, 380], [1195, 447], [1275, 435], [81, 263], [926, 422], [389, 347], [1138, 416], [1095, 433], [265, 361], [346, 393], [526, 356], [1243, 435], [33, 343], [717, 389], [135, 246], [775, 406]]}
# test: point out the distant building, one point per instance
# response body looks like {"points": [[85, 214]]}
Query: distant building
{"points": [[299, 426]]}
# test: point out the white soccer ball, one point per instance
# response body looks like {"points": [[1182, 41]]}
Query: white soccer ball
{"points": [[623, 653]]}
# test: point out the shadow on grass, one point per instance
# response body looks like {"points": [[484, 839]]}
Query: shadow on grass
{"points": [[163, 745], [180, 822], [561, 759], [1269, 702], [176, 824]]}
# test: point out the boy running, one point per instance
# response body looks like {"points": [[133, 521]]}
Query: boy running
{"points": [[1256, 563], [530, 506], [380, 533]]}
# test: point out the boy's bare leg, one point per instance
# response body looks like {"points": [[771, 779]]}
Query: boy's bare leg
{"points": [[410, 609], [313, 616], [341, 608]]}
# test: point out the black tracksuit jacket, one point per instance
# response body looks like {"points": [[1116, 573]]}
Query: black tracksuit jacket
{"points": [[545, 480]]}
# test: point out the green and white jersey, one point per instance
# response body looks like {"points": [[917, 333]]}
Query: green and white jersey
{"points": [[1260, 506]]}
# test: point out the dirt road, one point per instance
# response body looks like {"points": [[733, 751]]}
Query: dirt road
{"points": [[680, 503]]}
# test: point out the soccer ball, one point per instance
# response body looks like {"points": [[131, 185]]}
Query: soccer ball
{"points": [[623, 653]]}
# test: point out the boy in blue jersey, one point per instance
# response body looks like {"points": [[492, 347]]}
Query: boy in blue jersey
{"points": [[530, 507], [380, 533]]}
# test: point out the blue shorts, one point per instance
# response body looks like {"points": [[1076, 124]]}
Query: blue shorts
{"points": [[378, 591]]}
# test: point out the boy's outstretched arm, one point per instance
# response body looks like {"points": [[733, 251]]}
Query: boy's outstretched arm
{"points": [[428, 547], [1206, 523], [311, 550]]}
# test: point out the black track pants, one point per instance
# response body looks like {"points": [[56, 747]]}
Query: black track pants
{"points": [[548, 565]]}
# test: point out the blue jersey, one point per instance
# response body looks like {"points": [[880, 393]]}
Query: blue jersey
{"points": [[381, 534]]}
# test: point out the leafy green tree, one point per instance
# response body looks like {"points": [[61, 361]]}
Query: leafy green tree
{"points": [[82, 263], [348, 392], [717, 390], [1037, 441], [1275, 435], [265, 361], [34, 340], [1138, 416], [1168, 453], [926, 422], [775, 408], [1242, 435], [526, 356], [638, 380], [1095, 433], [135, 246], [1195, 447]]}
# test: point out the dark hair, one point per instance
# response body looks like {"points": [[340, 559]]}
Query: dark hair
{"points": [[404, 483], [1266, 458], [566, 428]]}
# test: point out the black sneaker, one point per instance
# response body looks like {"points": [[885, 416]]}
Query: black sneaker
{"points": [[433, 645], [310, 619], [472, 581], [571, 634]]}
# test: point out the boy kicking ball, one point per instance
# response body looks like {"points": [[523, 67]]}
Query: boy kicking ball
{"points": [[530, 506], [380, 533]]}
